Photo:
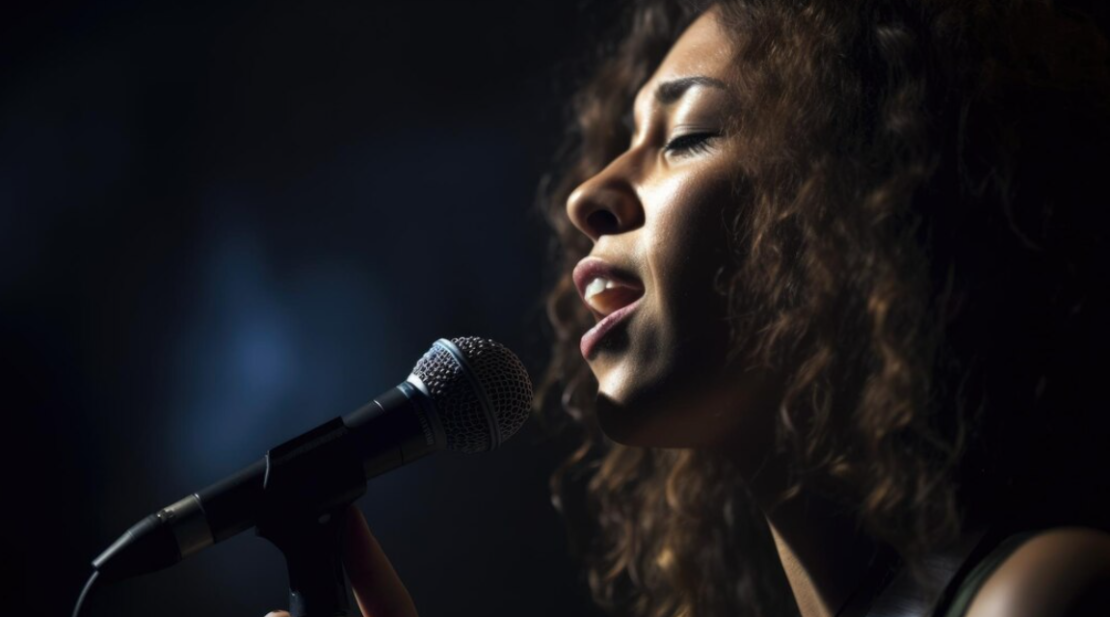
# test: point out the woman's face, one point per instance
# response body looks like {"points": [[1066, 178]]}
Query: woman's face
{"points": [[658, 216]]}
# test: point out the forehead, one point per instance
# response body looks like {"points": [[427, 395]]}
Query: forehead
{"points": [[703, 49]]}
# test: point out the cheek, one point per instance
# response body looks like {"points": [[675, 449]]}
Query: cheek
{"points": [[689, 247]]}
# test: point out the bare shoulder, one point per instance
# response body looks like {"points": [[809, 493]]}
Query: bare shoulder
{"points": [[1062, 572]]}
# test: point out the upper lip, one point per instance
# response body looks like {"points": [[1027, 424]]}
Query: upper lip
{"points": [[594, 267]]}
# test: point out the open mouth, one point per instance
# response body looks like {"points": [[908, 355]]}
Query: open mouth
{"points": [[611, 293]]}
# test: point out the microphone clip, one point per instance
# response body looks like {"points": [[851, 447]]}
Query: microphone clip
{"points": [[310, 482]]}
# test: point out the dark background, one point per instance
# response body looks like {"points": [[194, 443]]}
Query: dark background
{"points": [[223, 225]]}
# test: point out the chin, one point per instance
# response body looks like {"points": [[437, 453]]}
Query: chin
{"points": [[621, 414], [656, 417], [624, 425], [689, 408]]}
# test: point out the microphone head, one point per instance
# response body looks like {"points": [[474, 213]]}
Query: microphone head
{"points": [[480, 389]]}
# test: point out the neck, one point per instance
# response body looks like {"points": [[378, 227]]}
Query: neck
{"points": [[823, 552]]}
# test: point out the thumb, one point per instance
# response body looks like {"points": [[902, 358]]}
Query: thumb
{"points": [[378, 589]]}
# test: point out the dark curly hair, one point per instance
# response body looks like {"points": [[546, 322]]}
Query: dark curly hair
{"points": [[917, 241]]}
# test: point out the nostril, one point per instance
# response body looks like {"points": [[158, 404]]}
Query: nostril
{"points": [[602, 222]]}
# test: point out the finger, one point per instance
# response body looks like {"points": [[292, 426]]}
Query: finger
{"points": [[378, 589]]}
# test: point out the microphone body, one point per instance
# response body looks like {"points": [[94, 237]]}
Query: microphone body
{"points": [[468, 394]]}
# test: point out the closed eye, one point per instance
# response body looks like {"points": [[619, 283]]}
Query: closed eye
{"points": [[690, 143]]}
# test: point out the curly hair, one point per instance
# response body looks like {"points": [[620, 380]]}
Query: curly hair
{"points": [[910, 241]]}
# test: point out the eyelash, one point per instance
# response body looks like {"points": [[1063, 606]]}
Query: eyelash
{"points": [[690, 143]]}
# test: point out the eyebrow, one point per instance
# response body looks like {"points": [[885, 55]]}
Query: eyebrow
{"points": [[670, 91]]}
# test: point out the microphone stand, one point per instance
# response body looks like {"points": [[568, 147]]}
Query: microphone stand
{"points": [[305, 511]]}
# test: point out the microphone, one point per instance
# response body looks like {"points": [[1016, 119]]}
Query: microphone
{"points": [[466, 394]]}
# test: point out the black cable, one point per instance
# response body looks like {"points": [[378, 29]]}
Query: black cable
{"points": [[85, 593]]}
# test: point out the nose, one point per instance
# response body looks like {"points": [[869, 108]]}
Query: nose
{"points": [[606, 203]]}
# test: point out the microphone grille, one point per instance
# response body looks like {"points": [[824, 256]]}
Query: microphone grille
{"points": [[480, 389]]}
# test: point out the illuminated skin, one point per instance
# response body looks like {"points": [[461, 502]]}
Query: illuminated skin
{"points": [[657, 215]]}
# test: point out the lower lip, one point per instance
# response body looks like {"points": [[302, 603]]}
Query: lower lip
{"points": [[591, 339]]}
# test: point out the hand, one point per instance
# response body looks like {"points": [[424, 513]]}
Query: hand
{"points": [[378, 590]]}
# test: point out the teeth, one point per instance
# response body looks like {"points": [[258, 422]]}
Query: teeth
{"points": [[597, 286]]}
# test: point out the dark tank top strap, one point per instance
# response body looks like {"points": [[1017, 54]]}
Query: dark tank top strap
{"points": [[976, 570], [894, 591]]}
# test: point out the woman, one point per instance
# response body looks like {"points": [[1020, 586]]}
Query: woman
{"points": [[831, 277]]}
